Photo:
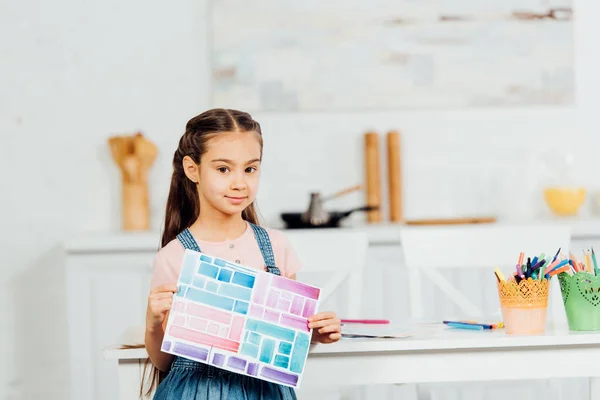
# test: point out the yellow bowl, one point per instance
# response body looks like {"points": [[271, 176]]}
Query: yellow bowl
{"points": [[564, 201]]}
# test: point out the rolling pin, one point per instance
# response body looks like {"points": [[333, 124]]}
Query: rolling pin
{"points": [[373, 177], [394, 176]]}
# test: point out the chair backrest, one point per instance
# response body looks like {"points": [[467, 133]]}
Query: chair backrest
{"points": [[341, 254], [428, 249]]}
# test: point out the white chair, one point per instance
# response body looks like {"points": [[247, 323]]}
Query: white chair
{"points": [[431, 251], [339, 254]]}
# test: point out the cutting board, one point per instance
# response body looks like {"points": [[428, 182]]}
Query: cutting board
{"points": [[451, 221]]}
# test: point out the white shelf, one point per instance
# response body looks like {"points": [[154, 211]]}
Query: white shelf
{"points": [[379, 234]]}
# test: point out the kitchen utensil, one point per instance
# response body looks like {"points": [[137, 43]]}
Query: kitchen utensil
{"points": [[294, 220], [316, 213], [134, 155], [394, 176], [343, 192], [451, 221]]}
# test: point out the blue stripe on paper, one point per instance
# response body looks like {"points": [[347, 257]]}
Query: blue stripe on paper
{"points": [[281, 361], [237, 292], [268, 329], [210, 299], [240, 307], [266, 351], [300, 352], [225, 275], [208, 270], [249, 350], [242, 279], [285, 348], [188, 269]]}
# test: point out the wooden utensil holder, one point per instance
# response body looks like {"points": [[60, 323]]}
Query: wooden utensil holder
{"points": [[134, 155]]}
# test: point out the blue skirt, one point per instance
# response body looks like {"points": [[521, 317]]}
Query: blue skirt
{"points": [[190, 380]]}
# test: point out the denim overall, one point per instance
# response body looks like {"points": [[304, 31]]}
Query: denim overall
{"points": [[191, 380]]}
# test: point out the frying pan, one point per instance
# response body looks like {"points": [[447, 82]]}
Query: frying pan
{"points": [[293, 220]]}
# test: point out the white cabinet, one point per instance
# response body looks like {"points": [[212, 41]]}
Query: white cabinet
{"points": [[106, 294], [108, 281]]}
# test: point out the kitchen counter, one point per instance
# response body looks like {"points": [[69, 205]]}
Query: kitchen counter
{"points": [[379, 234]]}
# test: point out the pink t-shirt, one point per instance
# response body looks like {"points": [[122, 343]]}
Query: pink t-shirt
{"points": [[243, 250]]}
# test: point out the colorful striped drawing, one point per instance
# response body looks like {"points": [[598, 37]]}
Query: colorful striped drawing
{"points": [[243, 320]]}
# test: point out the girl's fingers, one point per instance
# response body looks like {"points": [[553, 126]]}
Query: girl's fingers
{"points": [[330, 329], [162, 296], [171, 288], [334, 337], [160, 306], [321, 316], [322, 323]]}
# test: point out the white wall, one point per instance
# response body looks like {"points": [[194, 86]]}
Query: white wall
{"points": [[75, 72]]}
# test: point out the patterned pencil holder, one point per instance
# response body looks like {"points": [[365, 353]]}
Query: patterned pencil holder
{"points": [[581, 297], [524, 305]]}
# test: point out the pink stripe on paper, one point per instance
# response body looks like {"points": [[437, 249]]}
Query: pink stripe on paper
{"points": [[177, 307], [271, 316], [294, 322], [255, 311], [203, 338], [235, 333], [297, 305], [261, 287], [309, 308], [213, 329], [284, 305], [272, 299], [295, 287], [179, 320], [209, 313], [198, 324], [224, 331]]}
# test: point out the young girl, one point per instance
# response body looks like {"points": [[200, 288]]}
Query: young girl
{"points": [[210, 208]]}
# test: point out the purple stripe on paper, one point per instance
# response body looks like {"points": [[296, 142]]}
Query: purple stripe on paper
{"points": [[187, 350], [252, 369], [166, 346], [279, 376], [296, 287], [294, 322], [261, 288], [283, 305], [218, 359], [297, 304], [271, 316], [272, 299], [237, 363], [309, 308]]}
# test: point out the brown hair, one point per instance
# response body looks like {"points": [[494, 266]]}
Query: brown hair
{"points": [[183, 204]]}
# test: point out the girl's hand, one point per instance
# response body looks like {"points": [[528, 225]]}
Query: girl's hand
{"points": [[160, 301], [327, 327]]}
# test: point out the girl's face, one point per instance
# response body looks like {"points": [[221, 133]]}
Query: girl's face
{"points": [[229, 172]]}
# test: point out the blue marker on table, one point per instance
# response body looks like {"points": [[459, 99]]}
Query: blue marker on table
{"points": [[458, 325]]}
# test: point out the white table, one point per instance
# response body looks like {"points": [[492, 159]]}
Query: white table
{"points": [[445, 356]]}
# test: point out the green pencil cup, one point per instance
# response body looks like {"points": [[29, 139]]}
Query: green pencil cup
{"points": [[581, 297]]}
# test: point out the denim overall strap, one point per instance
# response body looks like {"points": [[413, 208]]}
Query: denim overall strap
{"points": [[187, 241], [264, 243]]}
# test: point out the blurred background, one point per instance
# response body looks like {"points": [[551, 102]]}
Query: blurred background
{"points": [[495, 101]]}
